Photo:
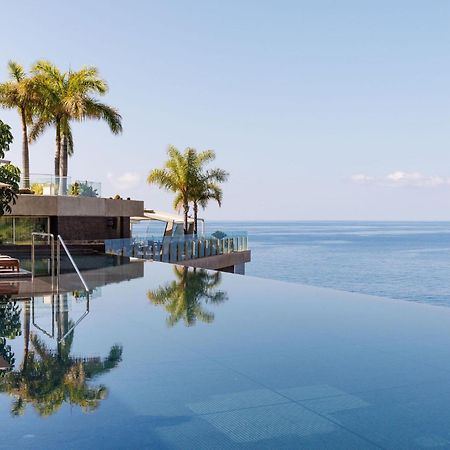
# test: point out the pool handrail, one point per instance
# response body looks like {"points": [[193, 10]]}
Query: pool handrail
{"points": [[60, 242]]}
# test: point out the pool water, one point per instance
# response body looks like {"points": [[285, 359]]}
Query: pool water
{"points": [[185, 359], [90, 261]]}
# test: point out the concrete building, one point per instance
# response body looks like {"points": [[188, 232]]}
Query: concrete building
{"points": [[87, 222], [74, 218]]}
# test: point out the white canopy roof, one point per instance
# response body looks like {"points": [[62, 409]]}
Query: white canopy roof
{"points": [[151, 214]]}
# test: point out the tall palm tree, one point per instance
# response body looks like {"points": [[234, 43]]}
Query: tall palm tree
{"points": [[178, 176], [183, 297], [49, 81], [205, 185], [19, 93], [68, 97]]}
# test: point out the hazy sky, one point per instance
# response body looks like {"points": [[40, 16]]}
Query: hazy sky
{"points": [[319, 109]]}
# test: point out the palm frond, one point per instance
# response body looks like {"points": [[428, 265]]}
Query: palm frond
{"points": [[178, 201], [205, 157], [69, 137], [163, 178], [87, 81], [16, 71], [217, 175], [94, 109], [38, 128]]}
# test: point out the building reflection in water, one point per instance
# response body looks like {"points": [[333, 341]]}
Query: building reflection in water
{"points": [[184, 297], [46, 378]]}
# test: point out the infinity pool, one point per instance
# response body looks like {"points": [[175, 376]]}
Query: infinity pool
{"points": [[201, 360]]}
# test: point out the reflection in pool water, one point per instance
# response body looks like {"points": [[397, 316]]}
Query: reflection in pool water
{"points": [[47, 378], [183, 297], [280, 366], [10, 328]]}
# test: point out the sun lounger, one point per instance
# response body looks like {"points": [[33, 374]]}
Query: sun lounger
{"points": [[9, 263]]}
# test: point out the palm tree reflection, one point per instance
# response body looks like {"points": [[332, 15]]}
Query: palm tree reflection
{"points": [[183, 298], [47, 378], [10, 328]]}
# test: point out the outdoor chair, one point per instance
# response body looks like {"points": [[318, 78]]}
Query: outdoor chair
{"points": [[6, 262]]}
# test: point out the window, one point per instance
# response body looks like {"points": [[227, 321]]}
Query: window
{"points": [[17, 230]]}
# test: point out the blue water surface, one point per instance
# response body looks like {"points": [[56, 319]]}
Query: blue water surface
{"points": [[403, 260], [176, 358]]}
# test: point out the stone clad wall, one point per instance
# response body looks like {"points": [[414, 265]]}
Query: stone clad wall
{"points": [[90, 228]]}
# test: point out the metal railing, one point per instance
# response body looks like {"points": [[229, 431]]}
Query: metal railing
{"points": [[51, 241], [77, 322], [175, 249], [56, 311], [33, 318], [59, 242], [58, 261]]}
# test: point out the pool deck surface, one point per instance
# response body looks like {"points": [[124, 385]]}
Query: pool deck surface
{"points": [[10, 274]]}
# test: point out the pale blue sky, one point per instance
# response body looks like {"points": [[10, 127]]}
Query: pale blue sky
{"points": [[318, 109]]}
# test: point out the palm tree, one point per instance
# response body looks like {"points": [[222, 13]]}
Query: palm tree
{"points": [[183, 297], [49, 81], [206, 186], [19, 93], [68, 97], [178, 176]]}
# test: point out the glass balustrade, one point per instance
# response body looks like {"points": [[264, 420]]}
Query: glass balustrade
{"points": [[44, 184], [178, 248]]}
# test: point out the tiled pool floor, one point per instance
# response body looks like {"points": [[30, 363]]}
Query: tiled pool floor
{"points": [[196, 360]]}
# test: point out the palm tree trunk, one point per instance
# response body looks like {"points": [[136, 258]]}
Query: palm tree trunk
{"points": [[25, 152], [63, 167], [58, 147], [186, 212], [65, 156], [195, 218], [62, 315], [26, 334]]}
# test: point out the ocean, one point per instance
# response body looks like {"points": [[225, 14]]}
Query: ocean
{"points": [[401, 260]]}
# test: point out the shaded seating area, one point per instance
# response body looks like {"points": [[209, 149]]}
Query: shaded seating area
{"points": [[9, 264]]}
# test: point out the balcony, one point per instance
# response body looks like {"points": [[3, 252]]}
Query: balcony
{"points": [[46, 184]]}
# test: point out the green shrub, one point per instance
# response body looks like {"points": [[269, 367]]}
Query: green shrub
{"points": [[83, 189], [37, 188]]}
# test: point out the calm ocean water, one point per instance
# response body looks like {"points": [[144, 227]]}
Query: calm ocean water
{"points": [[404, 260]]}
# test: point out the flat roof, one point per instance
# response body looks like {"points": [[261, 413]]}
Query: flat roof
{"points": [[151, 214], [62, 205]]}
